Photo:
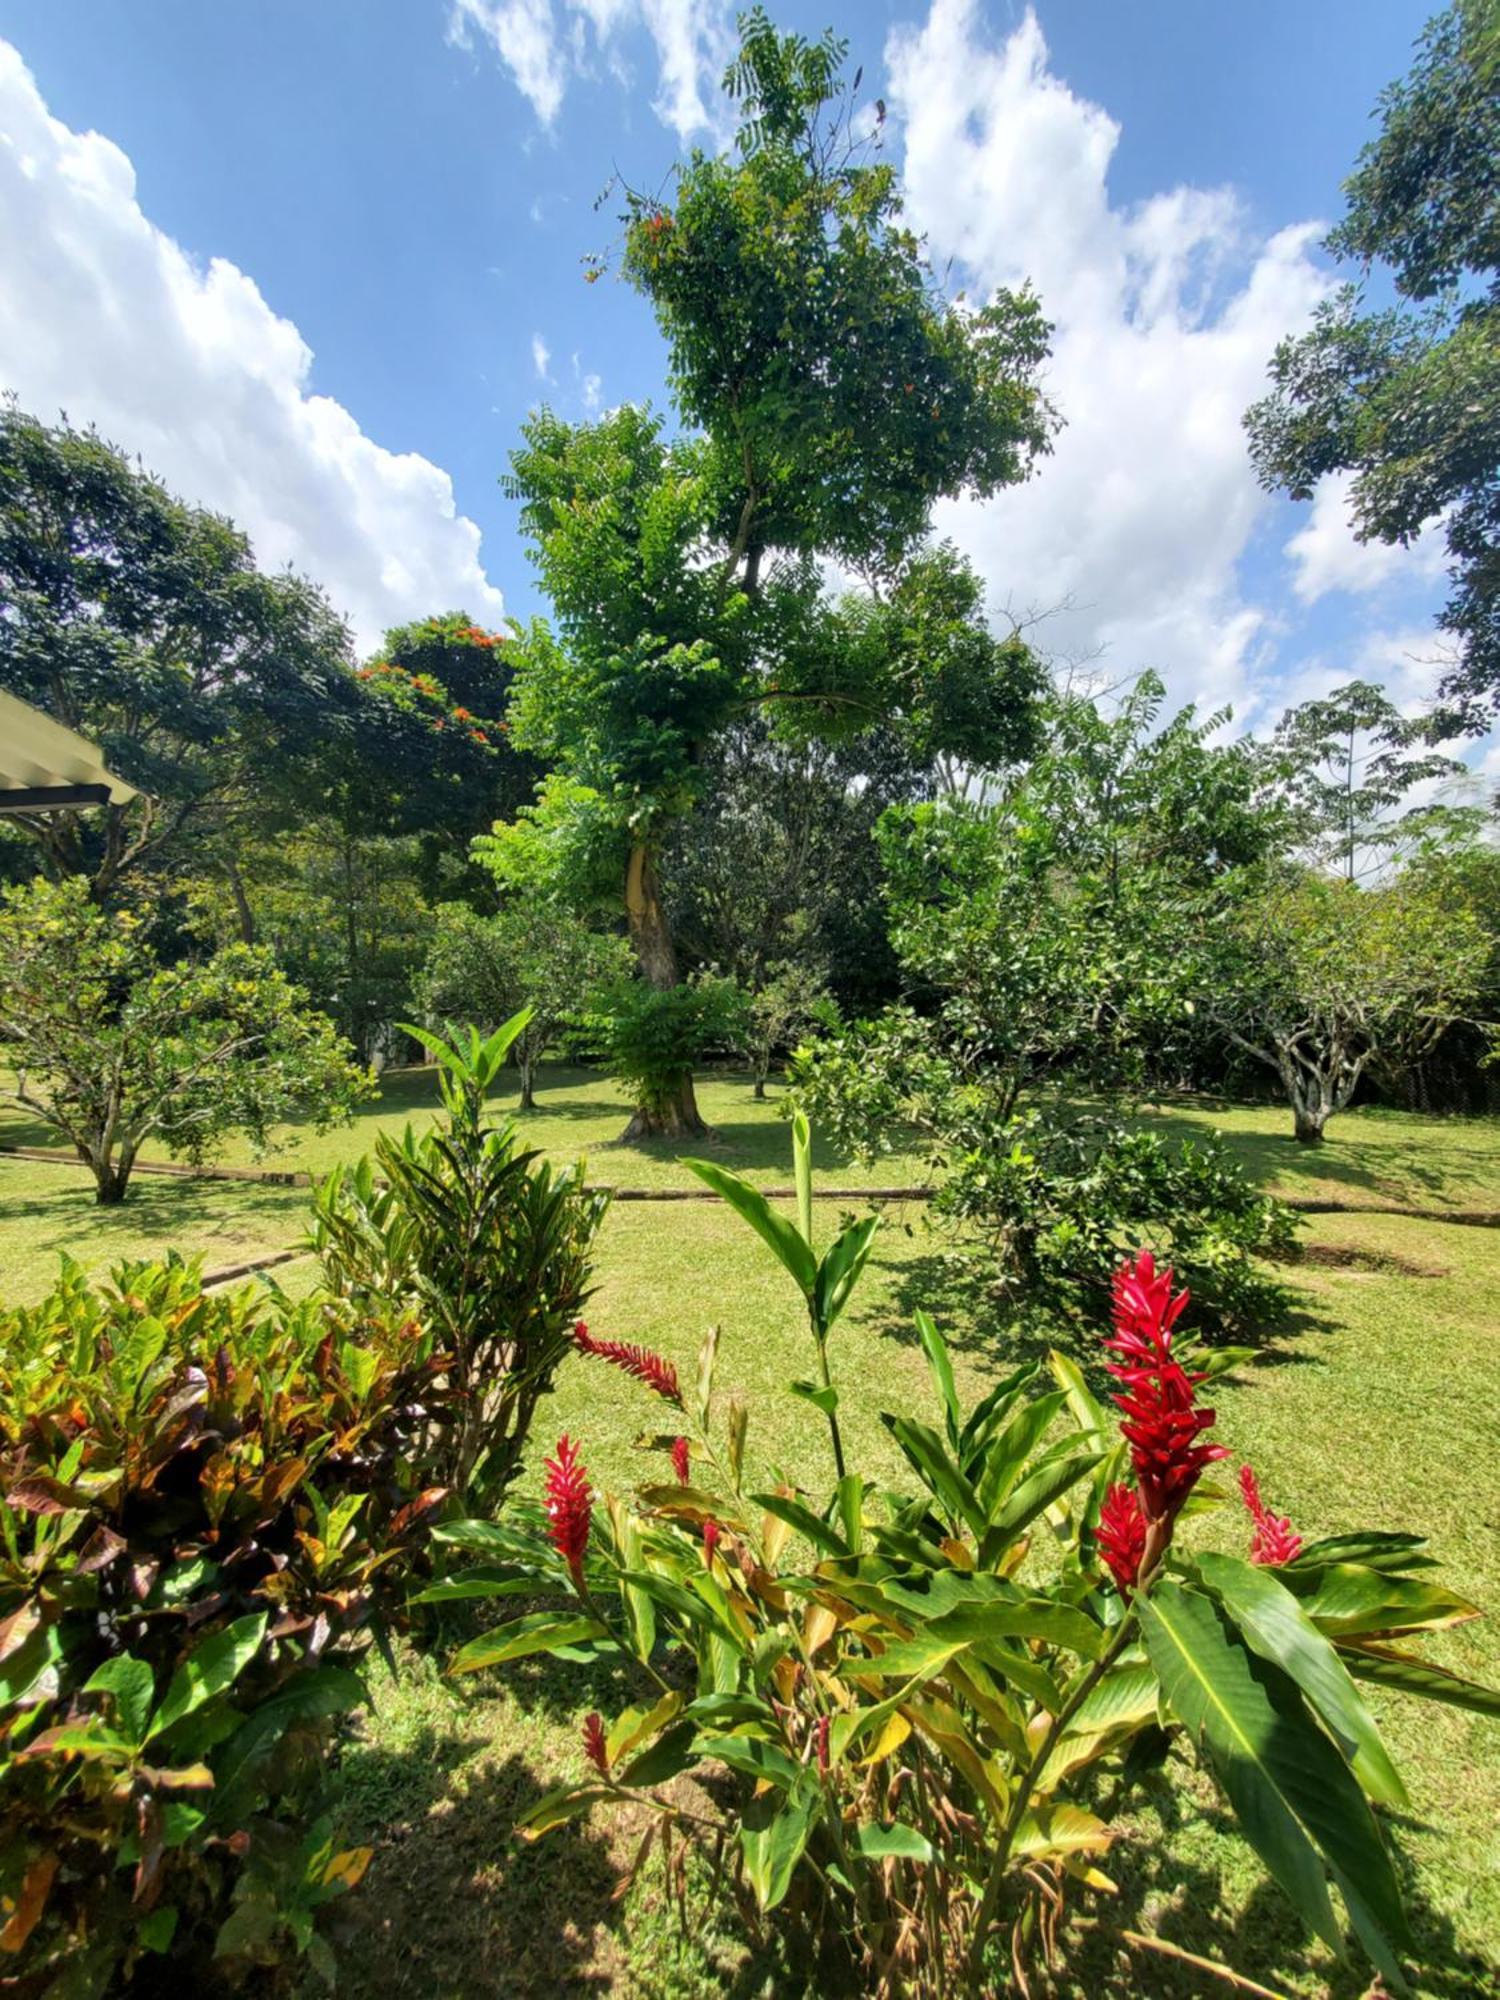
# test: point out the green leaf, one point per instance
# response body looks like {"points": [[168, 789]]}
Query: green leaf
{"points": [[213, 1668], [133, 1687], [1292, 1792], [937, 1471], [1033, 1496], [1372, 1548], [823, 1398], [802, 1173], [317, 1693], [542, 1632], [840, 1269], [754, 1756], [1274, 1625], [890, 1840], [940, 1365], [470, 1583], [804, 1521], [1088, 1412], [993, 1410], [784, 1238], [1347, 1601], [1407, 1674], [661, 1761], [555, 1809], [773, 1835]]}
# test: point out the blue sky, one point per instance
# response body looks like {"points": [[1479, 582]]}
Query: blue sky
{"points": [[314, 259]]}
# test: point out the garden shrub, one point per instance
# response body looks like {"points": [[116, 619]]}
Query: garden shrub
{"points": [[905, 1701], [651, 1036], [1051, 1196], [486, 1243], [209, 1505]]}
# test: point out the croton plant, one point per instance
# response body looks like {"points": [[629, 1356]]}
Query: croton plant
{"points": [[900, 1703]]}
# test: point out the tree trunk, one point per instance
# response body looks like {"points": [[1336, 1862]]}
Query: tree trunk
{"points": [[1308, 1125], [676, 1115], [110, 1183], [759, 1091], [244, 914], [528, 1078]]}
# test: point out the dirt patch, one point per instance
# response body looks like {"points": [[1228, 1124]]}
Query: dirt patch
{"points": [[1354, 1257]]}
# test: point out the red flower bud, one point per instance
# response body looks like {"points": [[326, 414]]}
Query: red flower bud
{"points": [[682, 1463], [1162, 1422], [640, 1362], [1122, 1536], [568, 1506], [1273, 1540], [712, 1533], [593, 1743]]}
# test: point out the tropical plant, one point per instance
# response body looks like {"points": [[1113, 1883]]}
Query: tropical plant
{"points": [[211, 1501], [487, 1244], [110, 1048], [902, 1700]]}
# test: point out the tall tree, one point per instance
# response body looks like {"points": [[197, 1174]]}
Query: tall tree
{"points": [[835, 395], [1345, 766], [1407, 398], [145, 624]]}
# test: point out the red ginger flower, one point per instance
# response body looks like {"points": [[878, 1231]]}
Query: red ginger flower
{"points": [[652, 1369], [1122, 1536], [682, 1461], [1162, 1422], [593, 1743], [1274, 1540], [568, 1506], [711, 1535]]}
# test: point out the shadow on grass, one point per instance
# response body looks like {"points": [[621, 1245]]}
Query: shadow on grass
{"points": [[454, 1903], [982, 1319]]}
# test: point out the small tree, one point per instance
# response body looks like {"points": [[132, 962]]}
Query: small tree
{"points": [[111, 1048], [1322, 978], [789, 999], [534, 955]]}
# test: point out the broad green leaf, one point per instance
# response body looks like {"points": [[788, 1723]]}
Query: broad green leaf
{"points": [[849, 1501], [661, 1761], [940, 1365], [1373, 1548], [323, 1691], [542, 1632], [1000, 1464], [1275, 1626], [633, 1725], [215, 1666], [1347, 1601], [1088, 1412], [1385, 1667], [824, 1398], [469, 1583], [773, 1834], [1292, 1792], [1033, 1496], [891, 1840], [132, 1685], [557, 1808], [993, 1410], [784, 1238], [754, 1756], [840, 1269], [804, 1521], [1060, 1829]]}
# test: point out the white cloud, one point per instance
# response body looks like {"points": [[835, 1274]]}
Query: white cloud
{"points": [[541, 354], [1166, 314], [544, 43], [103, 315], [1326, 556]]}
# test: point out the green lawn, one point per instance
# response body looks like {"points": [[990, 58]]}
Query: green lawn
{"points": [[1374, 1405]]}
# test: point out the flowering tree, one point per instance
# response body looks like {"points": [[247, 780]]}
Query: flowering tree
{"points": [[908, 1711]]}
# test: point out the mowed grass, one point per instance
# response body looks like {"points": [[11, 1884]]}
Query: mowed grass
{"points": [[1374, 1405]]}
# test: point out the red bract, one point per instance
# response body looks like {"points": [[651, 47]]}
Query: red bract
{"points": [[652, 1369], [821, 1742], [682, 1461], [1162, 1421], [568, 1506], [1122, 1536], [593, 1743], [1273, 1540], [711, 1534]]}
